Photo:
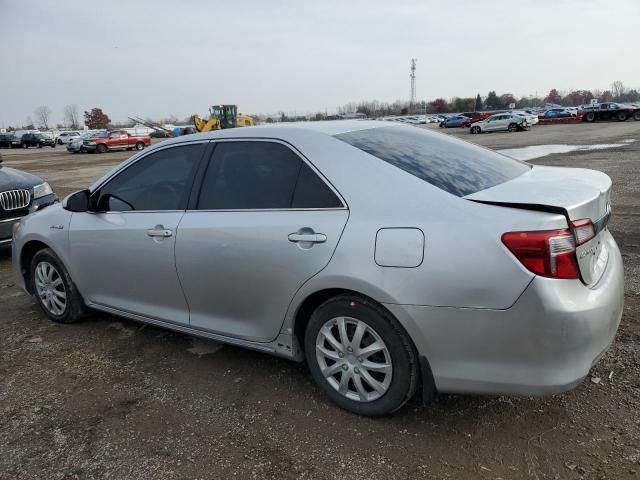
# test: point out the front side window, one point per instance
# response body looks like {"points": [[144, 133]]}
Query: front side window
{"points": [[249, 175], [159, 181], [458, 167]]}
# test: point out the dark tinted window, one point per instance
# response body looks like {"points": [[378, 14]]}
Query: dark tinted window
{"points": [[455, 166], [160, 181], [250, 175], [313, 192]]}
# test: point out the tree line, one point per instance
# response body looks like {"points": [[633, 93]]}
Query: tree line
{"points": [[492, 101]]}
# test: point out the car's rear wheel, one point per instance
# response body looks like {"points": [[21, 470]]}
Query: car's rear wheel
{"points": [[139, 146], [101, 148], [636, 115], [513, 127], [622, 116], [54, 290], [24, 145], [589, 117], [360, 357]]}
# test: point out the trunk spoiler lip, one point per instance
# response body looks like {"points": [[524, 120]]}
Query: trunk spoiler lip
{"points": [[598, 225]]}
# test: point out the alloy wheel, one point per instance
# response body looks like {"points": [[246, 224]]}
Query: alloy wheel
{"points": [[50, 288], [354, 359]]}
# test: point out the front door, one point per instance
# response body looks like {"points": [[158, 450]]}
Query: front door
{"points": [[124, 249], [265, 223]]}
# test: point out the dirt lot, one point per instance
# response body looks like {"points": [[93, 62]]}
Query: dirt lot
{"points": [[110, 398]]}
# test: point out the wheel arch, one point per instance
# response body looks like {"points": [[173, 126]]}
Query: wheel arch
{"points": [[27, 253]]}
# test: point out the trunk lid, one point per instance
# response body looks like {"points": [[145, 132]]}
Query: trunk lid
{"points": [[577, 193]]}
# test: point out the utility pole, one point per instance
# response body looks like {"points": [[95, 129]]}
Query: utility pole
{"points": [[412, 101]]}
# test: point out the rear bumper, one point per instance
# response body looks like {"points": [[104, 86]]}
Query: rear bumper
{"points": [[545, 343]]}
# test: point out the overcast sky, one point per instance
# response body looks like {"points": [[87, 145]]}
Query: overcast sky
{"points": [[160, 58]]}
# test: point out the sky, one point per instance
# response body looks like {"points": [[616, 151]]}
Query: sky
{"points": [[161, 58]]}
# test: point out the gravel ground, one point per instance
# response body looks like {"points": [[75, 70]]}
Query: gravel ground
{"points": [[113, 399]]}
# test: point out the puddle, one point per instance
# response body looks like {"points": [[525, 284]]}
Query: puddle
{"points": [[203, 347], [537, 151]]}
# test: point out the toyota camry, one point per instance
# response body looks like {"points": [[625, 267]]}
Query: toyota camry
{"points": [[388, 257]]}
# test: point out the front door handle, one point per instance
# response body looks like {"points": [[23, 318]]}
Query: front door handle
{"points": [[307, 237], [159, 231]]}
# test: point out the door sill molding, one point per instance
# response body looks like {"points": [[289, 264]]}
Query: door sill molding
{"points": [[282, 346]]}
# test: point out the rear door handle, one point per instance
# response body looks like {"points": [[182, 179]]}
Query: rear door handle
{"points": [[159, 231], [307, 237]]}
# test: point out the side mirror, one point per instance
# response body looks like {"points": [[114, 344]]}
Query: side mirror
{"points": [[77, 202]]}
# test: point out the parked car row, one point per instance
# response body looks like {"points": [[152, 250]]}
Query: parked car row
{"points": [[23, 139]]}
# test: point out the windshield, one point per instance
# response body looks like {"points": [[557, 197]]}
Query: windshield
{"points": [[455, 166]]}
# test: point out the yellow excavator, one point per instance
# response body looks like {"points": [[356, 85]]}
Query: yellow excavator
{"points": [[222, 117]]}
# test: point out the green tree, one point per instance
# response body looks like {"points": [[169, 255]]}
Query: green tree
{"points": [[96, 119], [478, 105], [492, 102]]}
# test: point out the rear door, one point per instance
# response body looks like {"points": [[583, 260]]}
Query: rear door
{"points": [[264, 222]]}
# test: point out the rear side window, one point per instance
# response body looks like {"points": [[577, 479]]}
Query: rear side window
{"points": [[455, 166], [261, 175], [312, 192]]}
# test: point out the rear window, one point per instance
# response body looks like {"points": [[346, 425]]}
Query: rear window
{"points": [[457, 167]]}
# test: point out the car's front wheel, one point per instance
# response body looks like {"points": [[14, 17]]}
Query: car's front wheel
{"points": [[54, 290], [475, 130], [360, 356], [139, 146]]}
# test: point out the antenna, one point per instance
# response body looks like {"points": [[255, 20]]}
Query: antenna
{"points": [[412, 101]]}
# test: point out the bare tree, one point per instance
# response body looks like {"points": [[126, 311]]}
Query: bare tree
{"points": [[72, 116], [43, 114], [617, 89]]}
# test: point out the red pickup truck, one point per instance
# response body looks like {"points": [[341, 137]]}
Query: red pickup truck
{"points": [[114, 140]]}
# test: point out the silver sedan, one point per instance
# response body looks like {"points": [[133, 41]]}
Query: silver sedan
{"points": [[389, 257]]}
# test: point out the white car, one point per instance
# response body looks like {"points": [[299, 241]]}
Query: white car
{"points": [[66, 137], [531, 118], [500, 122]]}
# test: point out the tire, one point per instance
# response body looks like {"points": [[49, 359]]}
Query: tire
{"points": [[53, 146], [636, 115], [129, 149], [622, 116], [476, 130], [101, 148], [24, 145], [139, 146], [39, 145], [59, 142], [513, 127], [395, 386], [589, 117], [48, 276]]}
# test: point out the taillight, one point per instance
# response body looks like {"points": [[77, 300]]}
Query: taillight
{"points": [[550, 253], [583, 231]]}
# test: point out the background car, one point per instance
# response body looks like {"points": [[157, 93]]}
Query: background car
{"points": [[20, 194], [558, 113], [500, 122], [75, 144], [454, 121], [270, 238], [36, 140], [66, 137], [529, 117], [5, 140]]}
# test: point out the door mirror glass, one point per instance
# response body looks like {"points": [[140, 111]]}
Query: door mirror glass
{"points": [[77, 202]]}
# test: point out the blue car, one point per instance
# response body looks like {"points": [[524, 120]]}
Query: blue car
{"points": [[454, 121]]}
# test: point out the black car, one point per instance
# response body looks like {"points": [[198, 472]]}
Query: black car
{"points": [[20, 194], [5, 140], [36, 140]]}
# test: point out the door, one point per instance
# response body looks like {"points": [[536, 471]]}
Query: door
{"points": [[491, 123], [123, 251], [264, 223]]}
